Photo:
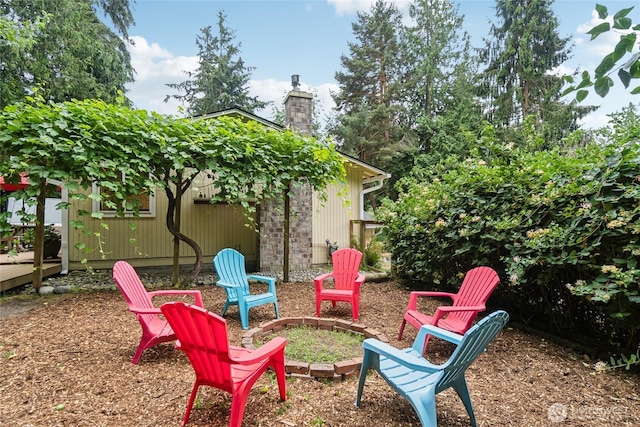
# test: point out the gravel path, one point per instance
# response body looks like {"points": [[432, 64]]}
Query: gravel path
{"points": [[102, 279]]}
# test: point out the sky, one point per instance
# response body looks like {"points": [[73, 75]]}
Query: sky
{"points": [[279, 38]]}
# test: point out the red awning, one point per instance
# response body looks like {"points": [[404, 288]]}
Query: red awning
{"points": [[24, 183]]}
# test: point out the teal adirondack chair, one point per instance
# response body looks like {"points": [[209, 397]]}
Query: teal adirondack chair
{"points": [[229, 265], [418, 380]]}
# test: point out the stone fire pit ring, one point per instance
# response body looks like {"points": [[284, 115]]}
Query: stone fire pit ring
{"points": [[337, 371]]}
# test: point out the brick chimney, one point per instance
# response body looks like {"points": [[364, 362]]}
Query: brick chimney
{"points": [[298, 108]]}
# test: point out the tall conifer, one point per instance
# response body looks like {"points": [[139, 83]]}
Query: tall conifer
{"points": [[368, 103], [221, 80], [525, 47]]}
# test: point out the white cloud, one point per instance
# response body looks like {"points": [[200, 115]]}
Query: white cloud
{"points": [[141, 46], [324, 97], [561, 70], [594, 121], [272, 91], [344, 7], [156, 67]]}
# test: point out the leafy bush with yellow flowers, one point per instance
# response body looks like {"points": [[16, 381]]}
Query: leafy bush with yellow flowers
{"points": [[561, 227]]}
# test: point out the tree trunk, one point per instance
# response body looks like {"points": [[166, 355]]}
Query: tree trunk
{"points": [[175, 271], [177, 234]]}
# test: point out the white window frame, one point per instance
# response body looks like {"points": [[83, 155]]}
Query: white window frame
{"points": [[95, 206]]}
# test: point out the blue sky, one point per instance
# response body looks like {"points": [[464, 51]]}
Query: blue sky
{"points": [[284, 37]]}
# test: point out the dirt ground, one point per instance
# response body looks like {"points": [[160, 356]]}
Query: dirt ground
{"points": [[65, 361]]}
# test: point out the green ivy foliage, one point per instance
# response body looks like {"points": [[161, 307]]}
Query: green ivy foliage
{"points": [[82, 142], [560, 226]]}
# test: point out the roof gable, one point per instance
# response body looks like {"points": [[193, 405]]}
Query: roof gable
{"points": [[243, 115]]}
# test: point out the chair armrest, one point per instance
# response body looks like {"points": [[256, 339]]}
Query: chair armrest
{"points": [[197, 296], [403, 358], [271, 281], [261, 278], [418, 343], [226, 284], [268, 350], [321, 278], [358, 282], [444, 310], [413, 297], [136, 310]]}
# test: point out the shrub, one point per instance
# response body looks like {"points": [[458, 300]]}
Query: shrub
{"points": [[560, 226], [373, 253]]}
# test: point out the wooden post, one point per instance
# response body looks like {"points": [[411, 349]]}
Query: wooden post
{"points": [[285, 231]]}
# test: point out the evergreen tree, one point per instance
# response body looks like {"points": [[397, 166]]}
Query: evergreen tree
{"points": [[16, 38], [440, 77], [73, 55], [524, 49], [435, 46], [368, 105], [221, 79], [119, 12]]}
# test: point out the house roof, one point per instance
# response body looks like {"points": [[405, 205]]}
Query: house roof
{"points": [[241, 114], [370, 173]]}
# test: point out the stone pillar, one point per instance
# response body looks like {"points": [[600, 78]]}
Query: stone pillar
{"points": [[298, 108]]}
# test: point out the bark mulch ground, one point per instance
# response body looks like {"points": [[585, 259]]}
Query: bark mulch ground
{"points": [[65, 361]]}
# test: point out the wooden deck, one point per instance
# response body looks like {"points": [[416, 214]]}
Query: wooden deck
{"points": [[17, 271]]}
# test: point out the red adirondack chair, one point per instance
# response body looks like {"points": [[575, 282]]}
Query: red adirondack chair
{"points": [[203, 337], [477, 286], [155, 330], [347, 281]]}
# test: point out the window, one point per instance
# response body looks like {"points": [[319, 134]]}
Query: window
{"points": [[147, 203]]}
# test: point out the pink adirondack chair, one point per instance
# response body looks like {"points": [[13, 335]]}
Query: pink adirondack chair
{"points": [[203, 337], [347, 281], [155, 330], [477, 286]]}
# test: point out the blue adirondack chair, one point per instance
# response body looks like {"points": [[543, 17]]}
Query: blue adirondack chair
{"points": [[232, 276], [418, 380]]}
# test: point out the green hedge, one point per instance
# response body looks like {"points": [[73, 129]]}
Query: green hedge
{"points": [[561, 227]]}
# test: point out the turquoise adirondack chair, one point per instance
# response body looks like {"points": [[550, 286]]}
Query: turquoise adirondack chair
{"points": [[229, 265], [418, 380]]}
